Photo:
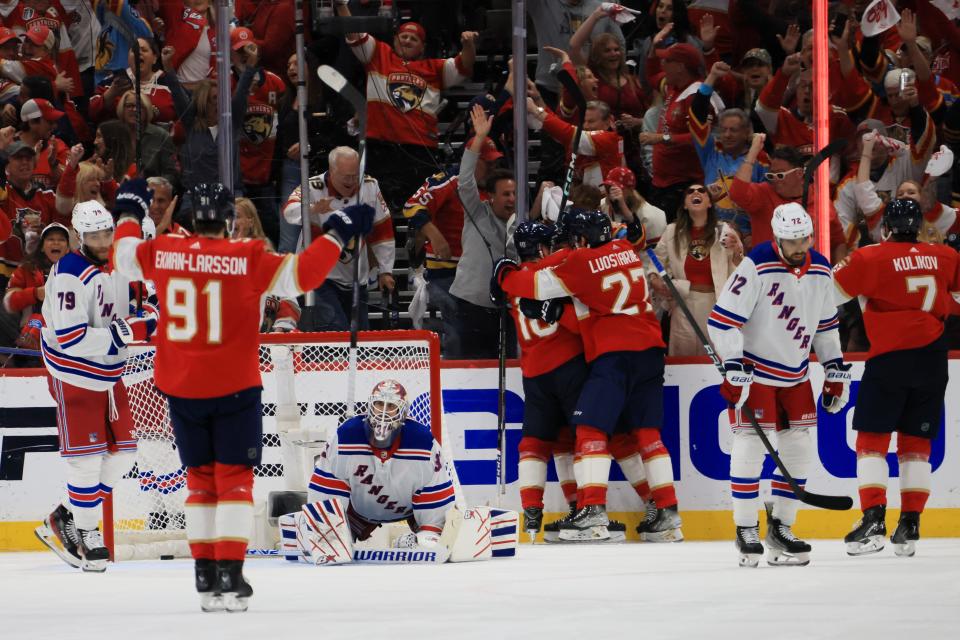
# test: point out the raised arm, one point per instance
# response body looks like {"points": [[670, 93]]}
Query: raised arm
{"points": [[582, 35]]}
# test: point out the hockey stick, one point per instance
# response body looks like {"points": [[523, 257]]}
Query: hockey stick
{"points": [[573, 88], [810, 171], [836, 503], [335, 80]]}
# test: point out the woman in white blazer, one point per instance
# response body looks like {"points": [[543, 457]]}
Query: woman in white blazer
{"points": [[699, 254]]}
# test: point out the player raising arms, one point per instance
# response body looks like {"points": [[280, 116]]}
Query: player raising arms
{"points": [[214, 289], [380, 467], [84, 348], [622, 343], [774, 308], [908, 286]]}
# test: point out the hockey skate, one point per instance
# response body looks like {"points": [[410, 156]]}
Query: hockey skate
{"points": [[784, 548], [905, 537], [59, 534], [588, 524], [617, 531], [648, 517], [532, 521], [551, 530], [665, 527], [235, 589], [869, 533], [748, 544], [93, 555], [208, 585]]}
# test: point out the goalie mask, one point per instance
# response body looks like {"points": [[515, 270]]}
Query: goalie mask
{"points": [[386, 409]]}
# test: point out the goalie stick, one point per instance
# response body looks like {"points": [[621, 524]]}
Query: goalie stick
{"points": [[573, 88], [836, 503], [335, 80]]}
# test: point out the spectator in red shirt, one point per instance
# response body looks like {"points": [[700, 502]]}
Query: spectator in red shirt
{"points": [[103, 106], [270, 21], [39, 119]]}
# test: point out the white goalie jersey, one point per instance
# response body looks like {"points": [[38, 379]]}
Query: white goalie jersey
{"points": [[771, 314], [381, 486]]}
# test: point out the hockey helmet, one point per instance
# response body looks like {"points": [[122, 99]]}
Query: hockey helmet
{"points": [[592, 225], [791, 222], [212, 202], [529, 236], [561, 230], [903, 217], [386, 409], [89, 217]]}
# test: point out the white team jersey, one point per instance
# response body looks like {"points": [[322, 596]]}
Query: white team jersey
{"points": [[380, 239], [771, 314], [80, 302], [385, 485]]}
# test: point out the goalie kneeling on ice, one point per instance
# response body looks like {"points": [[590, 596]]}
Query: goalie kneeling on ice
{"points": [[319, 534]]}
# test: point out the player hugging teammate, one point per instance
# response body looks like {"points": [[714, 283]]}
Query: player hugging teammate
{"points": [[605, 283]]}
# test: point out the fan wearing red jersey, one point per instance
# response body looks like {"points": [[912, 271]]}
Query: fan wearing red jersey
{"points": [[910, 287], [623, 344], [213, 288]]}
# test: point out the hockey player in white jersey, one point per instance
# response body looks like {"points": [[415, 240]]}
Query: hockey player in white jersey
{"points": [[89, 323], [380, 467], [774, 308]]}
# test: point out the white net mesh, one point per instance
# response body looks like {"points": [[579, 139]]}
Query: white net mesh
{"points": [[305, 393]]}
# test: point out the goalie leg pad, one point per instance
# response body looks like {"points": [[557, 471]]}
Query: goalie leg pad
{"points": [[323, 533], [503, 532], [467, 534]]}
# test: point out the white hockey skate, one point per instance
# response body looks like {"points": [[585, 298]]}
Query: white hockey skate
{"points": [[748, 544], [869, 534], [665, 527], [783, 548], [589, 524], [93, 554]]}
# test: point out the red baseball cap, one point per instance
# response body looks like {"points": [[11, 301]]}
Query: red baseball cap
{"points": [[684, 53], [241, 37], [488, 151], [621, 177], [6, 35], [39, 108], [415, 28], [41, 36]]}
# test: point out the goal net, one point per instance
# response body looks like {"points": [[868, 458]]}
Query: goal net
{"points": [[305, 398]]}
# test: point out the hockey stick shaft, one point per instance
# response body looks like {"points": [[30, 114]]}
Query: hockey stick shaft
{"points": [[836, 503], [501, 404], [573, 88]]}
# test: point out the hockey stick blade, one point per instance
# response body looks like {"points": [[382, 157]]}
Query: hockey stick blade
{"points": [[809, 172], [332, 78], [834, 503]]}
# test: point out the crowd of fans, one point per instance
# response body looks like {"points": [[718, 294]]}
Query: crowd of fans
{"points": [[698, 123]]}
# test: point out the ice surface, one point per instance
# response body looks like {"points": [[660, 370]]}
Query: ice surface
{"points": [[636, 591]]}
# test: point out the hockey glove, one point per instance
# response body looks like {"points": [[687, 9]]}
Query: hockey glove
{"points": [[349, 223], [133, 329], [548, 311], [736, 382], [836, 385], [503, 268], [636, 234]]}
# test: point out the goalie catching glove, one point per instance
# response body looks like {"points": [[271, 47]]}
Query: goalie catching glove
{"points": [[836, 385], [349, 223]]}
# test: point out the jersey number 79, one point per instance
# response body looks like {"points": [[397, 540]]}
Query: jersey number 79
{"points": [[182, 310]]}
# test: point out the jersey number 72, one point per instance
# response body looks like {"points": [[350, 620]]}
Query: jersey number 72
{"points": [[181, 309]]}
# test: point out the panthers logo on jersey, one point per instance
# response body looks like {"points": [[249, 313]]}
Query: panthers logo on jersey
{"points": [[258, 123], [406, 90], [104, 52]]}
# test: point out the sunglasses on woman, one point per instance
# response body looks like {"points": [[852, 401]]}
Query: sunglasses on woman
{"points": [[696, 190], [780, 175]]}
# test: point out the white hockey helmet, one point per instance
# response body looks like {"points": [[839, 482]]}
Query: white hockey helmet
{"points": [[89, 217], [791, 222], [386, 408]]}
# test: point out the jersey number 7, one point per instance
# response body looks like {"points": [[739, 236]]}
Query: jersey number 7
{"points": [[181, 309], [624, 286]]}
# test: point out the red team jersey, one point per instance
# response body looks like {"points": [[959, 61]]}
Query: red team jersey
{"points": [[544, 347], [208, 290], [599, 152], [24, 17], [910, 288], [610, 295]]}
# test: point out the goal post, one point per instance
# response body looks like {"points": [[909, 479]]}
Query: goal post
{"points": [[304, 377]]}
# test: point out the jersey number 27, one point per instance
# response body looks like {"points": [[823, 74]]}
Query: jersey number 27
{"points": [[182, 310], [624, 286]]}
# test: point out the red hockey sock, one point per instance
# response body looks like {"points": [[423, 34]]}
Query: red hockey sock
{"points": [[234, 510], [563, 463], [913, 454], [591, 466], [656, 461], [623, 447], [201, 511], [872, 468], [534, 455]]}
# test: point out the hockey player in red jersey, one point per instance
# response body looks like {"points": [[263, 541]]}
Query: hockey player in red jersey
{"points": [[908, 286], [623, 344], [213, 289]]}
